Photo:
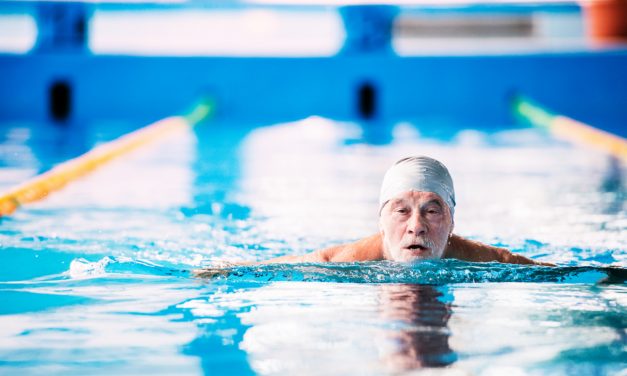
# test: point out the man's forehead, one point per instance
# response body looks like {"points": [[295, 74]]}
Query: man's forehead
{"points": [[420, 196]]}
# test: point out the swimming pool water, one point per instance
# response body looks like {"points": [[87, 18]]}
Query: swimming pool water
{"points": [[96, 279]]}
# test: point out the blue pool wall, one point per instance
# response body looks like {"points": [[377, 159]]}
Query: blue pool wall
{"points": [[472, 90], [589, 85]]}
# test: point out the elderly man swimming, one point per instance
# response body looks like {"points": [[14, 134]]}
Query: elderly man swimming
{"points": [[416, 220]]}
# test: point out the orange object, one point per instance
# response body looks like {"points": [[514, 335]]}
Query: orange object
{"points": [[606, 20]]}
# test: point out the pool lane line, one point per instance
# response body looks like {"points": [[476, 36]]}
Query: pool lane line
{"points": [[58, 177], [569, 129]]}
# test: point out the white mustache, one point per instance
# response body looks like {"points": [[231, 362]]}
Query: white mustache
{"points": [[423, 242]]}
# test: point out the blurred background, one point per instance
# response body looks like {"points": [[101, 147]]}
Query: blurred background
{"points": [[267, 61], [312, 101]]}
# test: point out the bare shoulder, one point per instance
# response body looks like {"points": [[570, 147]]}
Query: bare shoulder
{"points": [[469, 250], [366, 249]]}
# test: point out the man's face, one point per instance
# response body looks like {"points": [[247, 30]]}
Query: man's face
{"points": [[415, 226]]}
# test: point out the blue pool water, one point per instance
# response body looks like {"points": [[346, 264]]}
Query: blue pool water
{"points": [[96, 279]]}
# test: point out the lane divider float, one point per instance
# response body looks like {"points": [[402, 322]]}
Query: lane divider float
{"points": [[569, 129], [58, 177]]}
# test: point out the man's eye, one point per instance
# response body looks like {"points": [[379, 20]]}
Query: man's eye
{"points": [[433, 211], [401, 211]]}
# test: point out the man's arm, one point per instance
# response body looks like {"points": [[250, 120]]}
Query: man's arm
{"points": [[367, 249], [468, 250]]}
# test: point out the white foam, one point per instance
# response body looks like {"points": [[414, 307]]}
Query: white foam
{"points": [[81, 268]]}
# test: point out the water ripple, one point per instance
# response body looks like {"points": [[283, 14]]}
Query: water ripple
{"points": [[438, 272]]}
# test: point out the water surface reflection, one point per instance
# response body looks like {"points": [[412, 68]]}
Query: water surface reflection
{"points": [[421, 336], [326, 328]]}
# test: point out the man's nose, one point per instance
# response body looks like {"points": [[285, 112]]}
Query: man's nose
{"points": [[416, 225]]}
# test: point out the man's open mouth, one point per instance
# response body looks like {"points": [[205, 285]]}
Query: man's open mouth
{"points": [[417, 247]]}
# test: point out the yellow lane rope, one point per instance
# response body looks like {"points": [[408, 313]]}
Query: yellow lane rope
{"points": [[42, 185], [569, 129]]}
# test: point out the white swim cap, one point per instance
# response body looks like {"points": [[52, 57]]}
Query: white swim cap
{"points": [[418, 174]]}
